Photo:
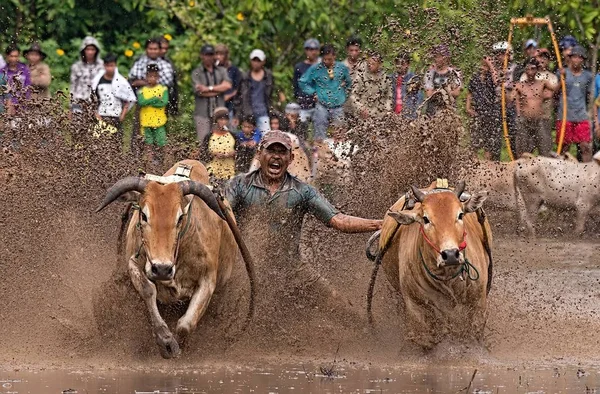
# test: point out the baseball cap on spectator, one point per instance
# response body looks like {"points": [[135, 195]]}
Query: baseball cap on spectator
{"points": [[441, 50], [220, 112], [207, 49], [312, 43], [275, 137], [258, 54], [578, 50], [530, 43], [567, 42], [292, 108]]}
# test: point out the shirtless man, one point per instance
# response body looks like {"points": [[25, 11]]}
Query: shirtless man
{"points": [[532, 131]]}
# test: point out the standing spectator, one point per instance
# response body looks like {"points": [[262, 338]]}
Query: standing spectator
{"points": [[292, 122], [329, 81], [137, 74], [256, 89], [210, 83], [551, 83], [482, 106], [443, 80], [153, 99], [248, 139], [235, 76], [529, 52], [17, 78], [220, 147], [83, 72], [173, 107], [371, 95], [406, 95], [530, 94], [597, 105], [307, 103], [40, 72], [115, 95], [579, 83], [566, 44], [500, 50], [354, 60]]}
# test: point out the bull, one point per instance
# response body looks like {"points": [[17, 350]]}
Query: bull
{"points": [[178, 247], [555, 183], [438, 257]]}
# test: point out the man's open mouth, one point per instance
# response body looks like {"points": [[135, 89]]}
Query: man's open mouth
{"points": [[275, 167]]}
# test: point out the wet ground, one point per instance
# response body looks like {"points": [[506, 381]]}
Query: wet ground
{"points": [[307, 379]]}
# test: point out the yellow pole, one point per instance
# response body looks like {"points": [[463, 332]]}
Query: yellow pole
{"points": [[563, 124], [503, 90]]}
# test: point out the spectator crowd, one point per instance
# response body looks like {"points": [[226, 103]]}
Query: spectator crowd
{"points": [[234, 108]]}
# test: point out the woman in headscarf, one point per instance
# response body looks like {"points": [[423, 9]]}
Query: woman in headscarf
{"points": [[83, 73]]}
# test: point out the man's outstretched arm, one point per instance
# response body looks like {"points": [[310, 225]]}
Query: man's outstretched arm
{"points": [[353, 224]]}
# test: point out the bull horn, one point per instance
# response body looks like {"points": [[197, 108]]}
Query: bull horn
{"points": [[131, 183], [201, 190], [419, 195], [460, 188]]}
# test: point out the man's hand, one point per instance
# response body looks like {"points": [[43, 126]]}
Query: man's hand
{"points": [[353, 224], [471, 112], [122, 116], [201, 88]]}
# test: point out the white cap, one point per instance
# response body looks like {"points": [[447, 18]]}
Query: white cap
{"points": [[259, 54]]}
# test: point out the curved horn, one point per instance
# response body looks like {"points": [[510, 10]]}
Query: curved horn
{"points": [[419, 195], [131, 183], [460, 188], [201, 190]]}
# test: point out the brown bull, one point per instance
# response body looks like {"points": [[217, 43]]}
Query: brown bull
{"points": [[178, 247], [437, 260]]}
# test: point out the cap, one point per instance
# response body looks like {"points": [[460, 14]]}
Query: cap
{"points": [[312, 43], [441, 50], [567, 42], [257, 53], [207, 49], [275, 137], [292, 108], [35, 47], [529, 43], [578, 50], [220, 112]]}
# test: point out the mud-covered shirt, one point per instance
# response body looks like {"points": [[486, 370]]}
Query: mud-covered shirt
{"points": [[284, 209]]}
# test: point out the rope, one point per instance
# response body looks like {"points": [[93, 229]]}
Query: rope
{"points": [[464, 267]]}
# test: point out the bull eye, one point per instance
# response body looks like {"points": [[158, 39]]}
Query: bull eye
{"points": [[426, 220], [460, 216], [180, 220], [144, 217]]}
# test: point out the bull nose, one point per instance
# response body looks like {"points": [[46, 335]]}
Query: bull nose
{"points": [[162, 271], [451, 256]]}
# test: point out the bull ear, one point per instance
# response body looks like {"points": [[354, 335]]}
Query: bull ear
{"points": [[475, 202], [404, 217]]}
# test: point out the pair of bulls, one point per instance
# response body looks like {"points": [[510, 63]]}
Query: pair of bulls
{"points": [[179, 247]]}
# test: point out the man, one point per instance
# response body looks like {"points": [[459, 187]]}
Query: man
{"points": [[483, 107], [406, 93], [137, 74], [256, 90], [83, 72], [579, 83], [329, 82], [530, 95], [282, 200], [210, 82], [443, 80], [115, 95], [40, 72], [354, 60], [499, 51], [307, 103], [529, 51], [371, 95], [235, 75], [173, 107]]}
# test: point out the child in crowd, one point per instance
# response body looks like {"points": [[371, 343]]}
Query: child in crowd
{"points": [[220, 147], [153, 99], [248, 140]]}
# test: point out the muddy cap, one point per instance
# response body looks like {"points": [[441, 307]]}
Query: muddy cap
{"points": [[276, 137]]}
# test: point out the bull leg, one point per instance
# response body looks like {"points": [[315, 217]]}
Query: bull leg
{"points": [[197, 307], [582, 213], [164, 338]]}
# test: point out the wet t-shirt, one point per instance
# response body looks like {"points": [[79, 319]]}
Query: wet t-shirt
{"points": [[578, 90], [281, 213]]}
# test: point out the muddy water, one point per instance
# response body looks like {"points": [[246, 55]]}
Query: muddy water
{"points": [[301, 379]]}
